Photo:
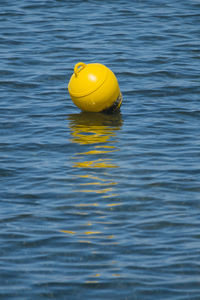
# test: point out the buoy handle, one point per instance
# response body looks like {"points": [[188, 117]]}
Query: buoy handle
{"points": [[78, 67]]}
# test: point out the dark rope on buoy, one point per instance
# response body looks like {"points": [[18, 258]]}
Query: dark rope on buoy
{"points": [[115, 107]]}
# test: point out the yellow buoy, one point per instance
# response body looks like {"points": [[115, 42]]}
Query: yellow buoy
{"points": [[94, 88]]}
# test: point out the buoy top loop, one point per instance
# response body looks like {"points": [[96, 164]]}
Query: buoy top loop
{"points": [[78, 67]]}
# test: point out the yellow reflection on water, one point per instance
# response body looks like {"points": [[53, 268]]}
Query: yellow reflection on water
{"points": [[90, 128], [98, 163], [96, 136], [94, 163]]}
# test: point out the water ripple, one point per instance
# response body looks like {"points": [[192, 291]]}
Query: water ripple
{"points": [[96, 206]]}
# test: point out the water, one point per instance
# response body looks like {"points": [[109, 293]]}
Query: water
{"points": [[95, 206]]}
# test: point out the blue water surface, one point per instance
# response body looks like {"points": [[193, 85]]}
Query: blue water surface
{"points": [[96, 206]]}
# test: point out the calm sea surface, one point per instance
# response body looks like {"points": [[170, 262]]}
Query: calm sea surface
{"points": [[94, 206]]}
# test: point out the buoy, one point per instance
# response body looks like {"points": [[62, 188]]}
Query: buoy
{"points": [[94, 88]]}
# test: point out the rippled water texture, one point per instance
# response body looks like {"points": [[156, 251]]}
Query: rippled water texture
{"points": [[96, 206]]}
